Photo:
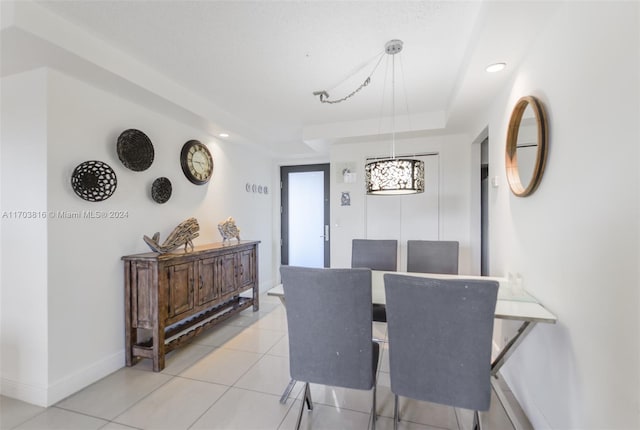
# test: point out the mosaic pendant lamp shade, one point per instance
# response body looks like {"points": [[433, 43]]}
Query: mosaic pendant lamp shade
{"points": [[395, 176]]}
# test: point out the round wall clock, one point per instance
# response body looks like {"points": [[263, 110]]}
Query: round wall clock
{"points": [[196, 162]]}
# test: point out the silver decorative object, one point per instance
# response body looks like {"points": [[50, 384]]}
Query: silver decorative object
{"points": [[228, 229]]}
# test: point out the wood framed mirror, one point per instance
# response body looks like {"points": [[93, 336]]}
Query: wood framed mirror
{"points": [[527, 146]]}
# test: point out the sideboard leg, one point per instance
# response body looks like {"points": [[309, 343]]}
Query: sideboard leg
{"points": [[256, 297], [130, 340], [158, 363], [158, 349], [130, 333]]}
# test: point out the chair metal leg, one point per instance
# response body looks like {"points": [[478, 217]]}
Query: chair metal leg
{"points": [[306, 399], [300, 414], [373, 410], [396, 414], [476, 421]]}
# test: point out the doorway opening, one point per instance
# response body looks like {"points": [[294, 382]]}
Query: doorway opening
{"points": [[484, 207], [304, 215]]}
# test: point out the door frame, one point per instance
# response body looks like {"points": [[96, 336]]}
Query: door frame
{"points": [[284, 208]]}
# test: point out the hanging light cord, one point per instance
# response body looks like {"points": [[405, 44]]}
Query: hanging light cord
{"points": [[393, 103], [393, 106], [324, 95], [392, 53]]}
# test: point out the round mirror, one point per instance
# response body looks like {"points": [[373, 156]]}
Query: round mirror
{"points": [[526, 151]]}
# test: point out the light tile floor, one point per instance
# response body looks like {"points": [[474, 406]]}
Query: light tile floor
{"points": [[231, 378]]}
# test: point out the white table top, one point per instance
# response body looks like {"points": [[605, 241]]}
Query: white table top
{"points": [[513, 303]]}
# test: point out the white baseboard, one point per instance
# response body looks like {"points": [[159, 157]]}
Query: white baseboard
{"points": [[64, 387], [74, 382], [25, 392], [535, 417]]}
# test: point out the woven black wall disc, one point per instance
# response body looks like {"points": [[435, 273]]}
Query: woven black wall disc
{"points": [[161, 190], [135, 150], [94, 181]]}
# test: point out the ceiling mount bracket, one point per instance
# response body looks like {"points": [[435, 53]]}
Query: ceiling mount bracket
{"points": [[393, 46]]}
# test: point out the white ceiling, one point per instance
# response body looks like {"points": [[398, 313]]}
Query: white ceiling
{"points": [[260, 61]]}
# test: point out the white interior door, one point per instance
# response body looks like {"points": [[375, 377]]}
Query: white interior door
{"points": [[306, 219], [407, 217], [305, 213]]}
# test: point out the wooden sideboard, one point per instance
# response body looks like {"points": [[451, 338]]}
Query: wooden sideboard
{"points": [[171, 298]]}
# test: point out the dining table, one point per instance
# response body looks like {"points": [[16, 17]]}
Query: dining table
{"points": [[514, 303]]}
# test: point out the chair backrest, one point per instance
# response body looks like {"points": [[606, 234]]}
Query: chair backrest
{"points": [[329, 321], [375, 254], [432, 256], [439, 334]]}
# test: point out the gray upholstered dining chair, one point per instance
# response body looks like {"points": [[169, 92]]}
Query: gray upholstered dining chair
{"points": [[432, 256], [375, 254], [439, 334], [329, 322]]}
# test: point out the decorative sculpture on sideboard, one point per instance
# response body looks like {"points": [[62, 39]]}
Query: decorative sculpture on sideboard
{"points": [[228, 229], [183, 234]]}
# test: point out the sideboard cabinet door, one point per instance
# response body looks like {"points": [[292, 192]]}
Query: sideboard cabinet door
{"points": [[207, 272], [247, 268], [180, 299], [227, 276]]}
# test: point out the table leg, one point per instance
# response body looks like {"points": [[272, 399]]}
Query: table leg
{"points": [[508, 349], [515, 422], [502, 357]]}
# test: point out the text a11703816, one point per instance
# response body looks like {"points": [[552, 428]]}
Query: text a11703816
{"points": [[63, 214]]}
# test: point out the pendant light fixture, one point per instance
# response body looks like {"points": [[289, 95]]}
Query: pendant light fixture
{"points": [[393, 176], [390, 175]]}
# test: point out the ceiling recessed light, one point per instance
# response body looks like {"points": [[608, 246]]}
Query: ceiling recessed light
{"points": [[223, 135], [496, 67]]}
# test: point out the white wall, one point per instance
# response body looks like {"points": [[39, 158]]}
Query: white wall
{"points": [[576, 240], [84, 279], [454, 151], [23, 175]]}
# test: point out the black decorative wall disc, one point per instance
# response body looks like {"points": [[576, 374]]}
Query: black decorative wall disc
{"points": [[161, 190], [94, 181], [135, 150]]}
